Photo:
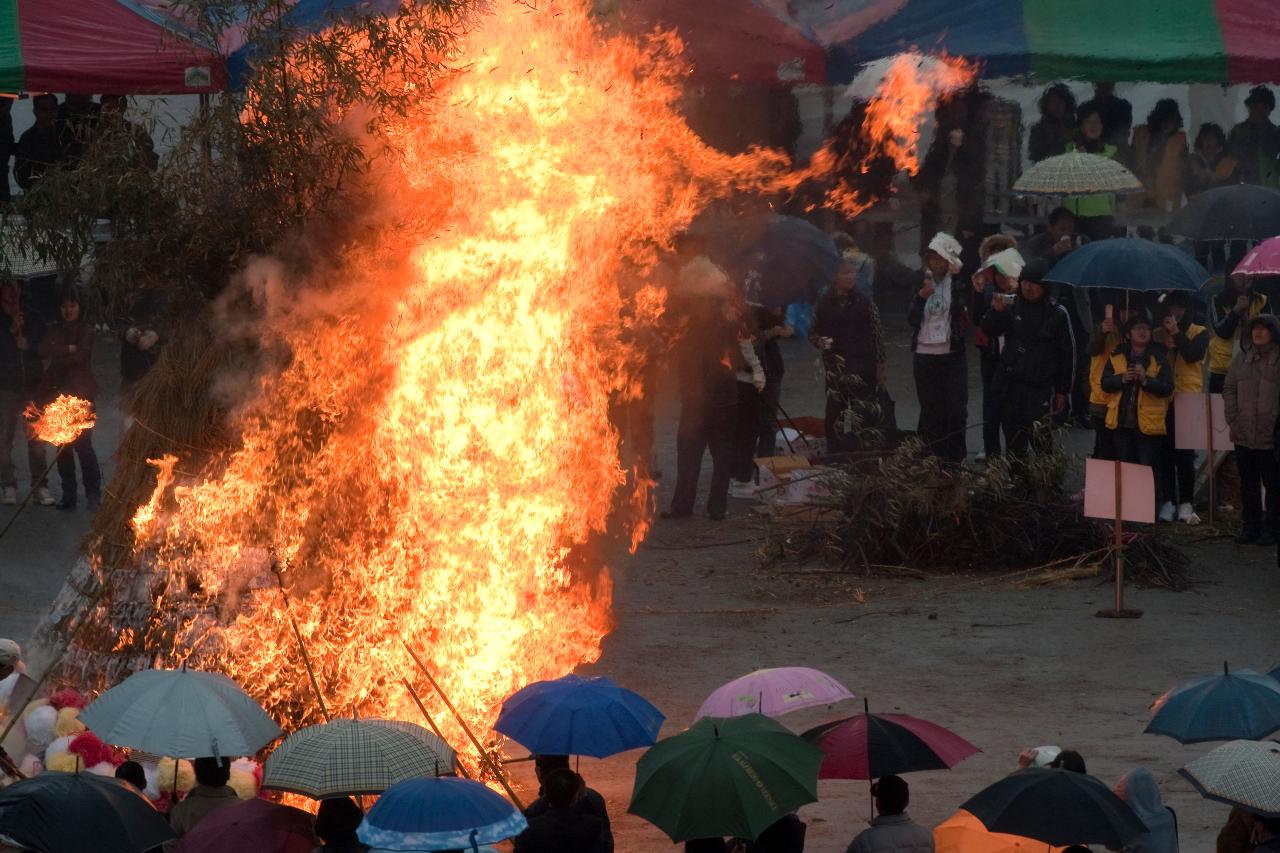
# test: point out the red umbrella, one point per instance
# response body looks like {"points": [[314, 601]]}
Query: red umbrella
{"points": [[869, 746], [258, 825]]}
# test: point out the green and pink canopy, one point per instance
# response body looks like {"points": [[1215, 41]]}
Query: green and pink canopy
{"points": [[1169, 41]]}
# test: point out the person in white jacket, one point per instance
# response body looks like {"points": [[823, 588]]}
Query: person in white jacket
{"points": [[892, 831]]}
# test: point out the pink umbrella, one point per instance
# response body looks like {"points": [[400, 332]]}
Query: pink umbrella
{"points": [[258, 825], [774, 692], [1264, 259]]}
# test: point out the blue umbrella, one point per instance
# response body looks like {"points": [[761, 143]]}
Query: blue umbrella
{"points": [[1240, 705], [445, 813], [579, 716], [1129, 263], [792, 261]]}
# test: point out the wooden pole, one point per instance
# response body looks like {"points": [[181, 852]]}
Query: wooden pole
{"points": [[297, 633], [1208, 432], [1119, 540], [484, 756], [430, 722], [1119, 611]]}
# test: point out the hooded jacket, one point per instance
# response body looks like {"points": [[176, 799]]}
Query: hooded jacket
{"points": [[1251, 394], [1227, 325], [1037, 349], [1139, 790]]}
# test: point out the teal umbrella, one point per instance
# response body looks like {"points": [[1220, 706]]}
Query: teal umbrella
{"points": [[180, 713], [725, 776], [1129, 263]]}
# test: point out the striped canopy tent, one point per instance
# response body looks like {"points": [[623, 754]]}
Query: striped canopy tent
{"points": [[1162, 41], [100, 46]]}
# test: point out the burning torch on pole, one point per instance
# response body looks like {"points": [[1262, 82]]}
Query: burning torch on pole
{"points": [[59, 424]]}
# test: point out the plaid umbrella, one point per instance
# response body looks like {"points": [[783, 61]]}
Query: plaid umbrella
{"points": [[1244, 773], [1076, 173], [350, 757]]}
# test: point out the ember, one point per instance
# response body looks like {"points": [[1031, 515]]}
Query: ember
{"points": [[61, 421]]}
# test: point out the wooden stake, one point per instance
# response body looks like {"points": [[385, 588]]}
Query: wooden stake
{"points": [[484, 756], [1208, 455], [297, 633], [432, 723], [1119, 611]]}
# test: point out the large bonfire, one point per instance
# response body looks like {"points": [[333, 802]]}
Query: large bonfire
{"points": [[423, 455]]}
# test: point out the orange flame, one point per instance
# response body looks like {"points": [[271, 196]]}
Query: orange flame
{"points": [[435, 455], [145, 516], [61, 421], [907, 95]]}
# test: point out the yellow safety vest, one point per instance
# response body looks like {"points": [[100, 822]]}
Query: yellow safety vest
{"points": [[1098, 397], [1094, 204], [1221, 350], [1151, 409], [1188, 376]]}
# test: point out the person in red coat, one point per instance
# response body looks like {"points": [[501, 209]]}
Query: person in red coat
{"points": [[69, 348]]}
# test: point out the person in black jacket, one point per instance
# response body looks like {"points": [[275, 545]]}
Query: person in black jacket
{"points": [[773, 325], [1147, 373], [846, 327], [1051, 135], [563, 827], [21, 376], [41, 145], [940, 317], [1036, 360], [588, 801]]}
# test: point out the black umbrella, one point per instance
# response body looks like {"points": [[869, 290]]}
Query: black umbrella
{"points": [[1058, 807], [792, 261], [1238, 212], [75, 812]]}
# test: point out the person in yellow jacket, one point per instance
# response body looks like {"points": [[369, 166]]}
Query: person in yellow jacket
{"points": [[1139, 383], [1160, 154], [1103, 341], [1186, 342], [1235, 305]]}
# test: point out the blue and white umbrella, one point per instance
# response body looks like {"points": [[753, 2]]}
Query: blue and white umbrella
{"points": [[574, 715], [445, 813]]}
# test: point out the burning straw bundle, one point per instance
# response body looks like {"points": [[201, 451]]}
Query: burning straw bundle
{"points": [[905, 508]]}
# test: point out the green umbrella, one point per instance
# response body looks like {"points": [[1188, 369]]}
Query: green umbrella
{"points": [[725, 776]]}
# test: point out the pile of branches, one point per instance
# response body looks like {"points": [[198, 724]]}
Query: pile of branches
{"points": [[904, 508]]}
